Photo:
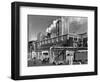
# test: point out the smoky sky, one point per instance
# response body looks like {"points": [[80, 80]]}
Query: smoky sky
{"points": [[79, 26], [39, 23]]}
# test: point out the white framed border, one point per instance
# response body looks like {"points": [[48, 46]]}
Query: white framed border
{"points": [[25, 71]]}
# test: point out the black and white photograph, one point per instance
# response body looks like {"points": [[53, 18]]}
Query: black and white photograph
{"points": [[57, 40], [53, 40]]}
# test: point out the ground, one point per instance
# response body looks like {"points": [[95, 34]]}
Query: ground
{"points": [[37, 62]]}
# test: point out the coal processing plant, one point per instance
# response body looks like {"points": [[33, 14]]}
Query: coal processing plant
{"points": [[65, 42]]}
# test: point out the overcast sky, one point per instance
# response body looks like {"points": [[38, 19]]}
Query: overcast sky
{"points": [[38, 23]]}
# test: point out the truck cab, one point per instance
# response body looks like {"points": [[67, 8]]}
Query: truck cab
{"points": [[45, 56]]}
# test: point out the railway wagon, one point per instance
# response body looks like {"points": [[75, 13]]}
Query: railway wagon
{"points": [[81, 56]]}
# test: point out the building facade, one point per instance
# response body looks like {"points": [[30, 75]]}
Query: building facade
{"points": [[59, 40]]}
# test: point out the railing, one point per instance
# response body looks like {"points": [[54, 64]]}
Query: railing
{"points": [[53, 40], [60, 39]]}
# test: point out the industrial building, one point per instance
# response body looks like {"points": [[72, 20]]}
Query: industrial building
{"points": [[60, 45]]}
